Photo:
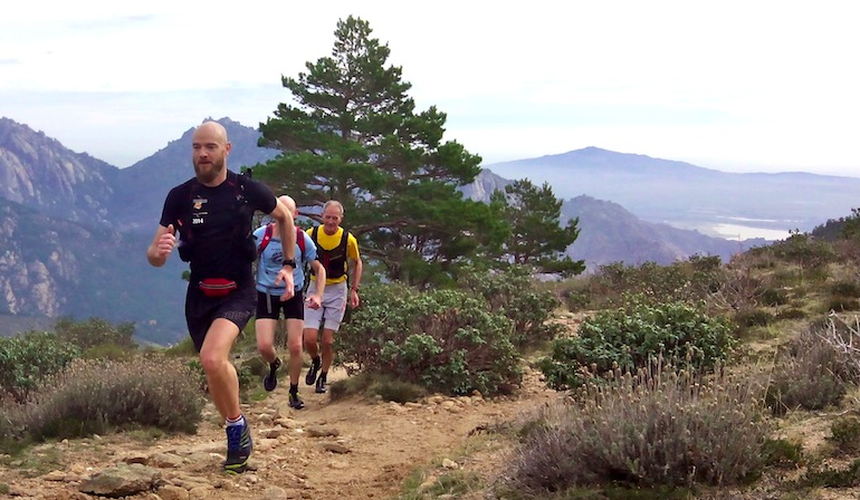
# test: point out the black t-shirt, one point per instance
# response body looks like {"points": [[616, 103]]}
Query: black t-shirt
{"points": [[214, 223]]}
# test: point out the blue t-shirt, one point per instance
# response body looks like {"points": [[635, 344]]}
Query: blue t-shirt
{"points": [[272, 259]]}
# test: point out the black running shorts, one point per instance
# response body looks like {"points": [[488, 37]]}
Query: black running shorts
{"points": [[270, 306], [201, 311]]}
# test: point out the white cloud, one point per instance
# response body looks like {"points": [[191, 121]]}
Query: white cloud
{"points": [[759, 85]]}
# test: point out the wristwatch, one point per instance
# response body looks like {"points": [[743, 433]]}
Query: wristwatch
{"points": [[289, 262]]}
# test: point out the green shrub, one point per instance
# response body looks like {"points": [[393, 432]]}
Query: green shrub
{"points": [[753, 317], [845, 435], [629, 337], [782, 453], [94, 332], [652, 281], [183, 348], [808, 253], [110, 351], [256, 366], [833, 478], [444, 340], [848, 288], [659, 427], [576, 298], [382, 386], [513, 294], [26, 359], [773, 297], [248, 380], [840, 303], [96, 396], [791, 313]]}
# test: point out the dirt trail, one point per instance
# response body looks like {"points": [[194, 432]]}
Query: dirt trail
{"points": [[350, 449]]}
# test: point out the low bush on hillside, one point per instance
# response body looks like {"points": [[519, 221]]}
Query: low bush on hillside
{"points": [[658, 427], [783, 453], [773, 297], [809, 253], [376, 385], [846, 287], [513, 293], [752, 318], [690, 280], [813, 369], [631, 336], [26, 359], [97, 396], [445, 340], [791, 313], [95, 332], [845, 435], [841, 303]]}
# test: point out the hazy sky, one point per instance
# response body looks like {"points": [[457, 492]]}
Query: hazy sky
{"points": [[733, 85]]}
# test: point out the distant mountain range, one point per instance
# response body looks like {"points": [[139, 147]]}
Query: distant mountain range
{"points": [[609, 233], [691, 197], [75, 229]]}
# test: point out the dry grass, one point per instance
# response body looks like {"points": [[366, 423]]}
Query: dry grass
{"points": [[97, 396], [655, 428]]}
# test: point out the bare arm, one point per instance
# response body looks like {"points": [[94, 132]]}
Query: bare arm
{"points": [[319, 271], [161, 246], [356, 266], [287, 229]]}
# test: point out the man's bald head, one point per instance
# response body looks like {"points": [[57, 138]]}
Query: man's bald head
{"points": [[212, 130], [290, 203], [210, 148]]}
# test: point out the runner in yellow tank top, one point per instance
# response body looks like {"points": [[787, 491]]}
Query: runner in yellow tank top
{"points": [[343, 269]]}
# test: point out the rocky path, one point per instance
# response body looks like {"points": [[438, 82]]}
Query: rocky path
{"points": [[351, 449]]}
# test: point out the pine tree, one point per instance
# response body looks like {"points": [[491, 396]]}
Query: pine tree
{"points": [[536, 237], [355, 136]]}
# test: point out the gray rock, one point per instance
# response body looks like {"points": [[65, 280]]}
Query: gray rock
{"points": [[122, 480]]}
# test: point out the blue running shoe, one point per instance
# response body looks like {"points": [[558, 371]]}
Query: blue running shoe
{"points": [[239, 447]]}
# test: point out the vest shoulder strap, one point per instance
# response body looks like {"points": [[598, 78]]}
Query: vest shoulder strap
{"points": [[300, 239], [267, 237]]}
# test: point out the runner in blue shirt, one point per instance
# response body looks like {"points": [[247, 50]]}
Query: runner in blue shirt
{"points": [[269, 304]]}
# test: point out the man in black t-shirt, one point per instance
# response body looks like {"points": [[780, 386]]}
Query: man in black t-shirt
{"points": [[213, 213]]}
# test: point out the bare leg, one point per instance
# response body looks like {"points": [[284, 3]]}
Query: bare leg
{"points": [[265, 328], [310, 338], [294, 345], [327, 348], [220, 372]]}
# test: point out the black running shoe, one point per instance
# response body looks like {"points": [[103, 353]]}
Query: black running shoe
{"points": [[312, 371], [271, 380], [296, 402], [239, 447], [321, 386]]}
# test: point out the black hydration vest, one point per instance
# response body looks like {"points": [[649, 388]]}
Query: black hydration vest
{"points": [[239, 238], [333, 260]]}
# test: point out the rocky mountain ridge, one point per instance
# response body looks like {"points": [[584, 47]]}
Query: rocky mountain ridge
{"points": [[75, 228]]}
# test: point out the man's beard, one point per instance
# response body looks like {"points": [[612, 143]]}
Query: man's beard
{"points": [[212, 174]]}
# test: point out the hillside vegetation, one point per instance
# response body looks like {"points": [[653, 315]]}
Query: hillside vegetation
{"points": [[683, 381]]}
